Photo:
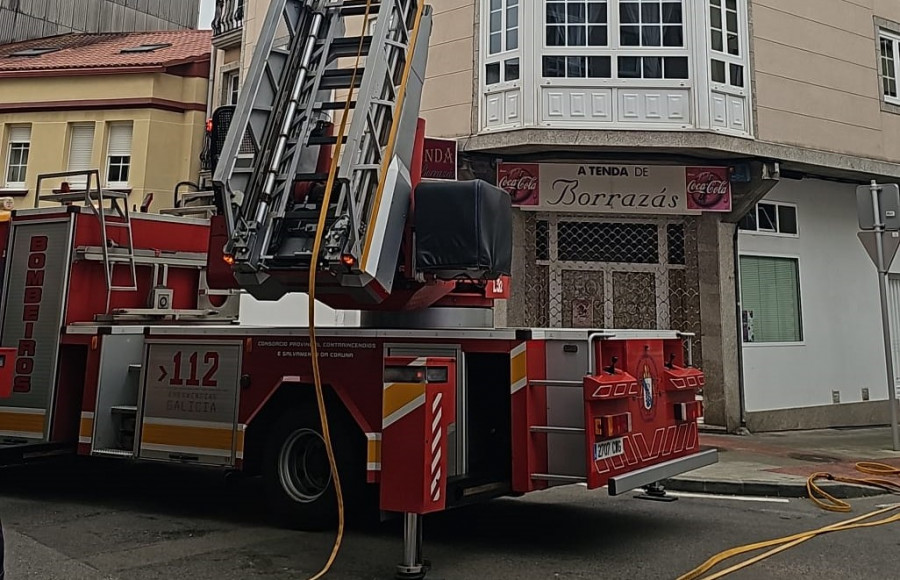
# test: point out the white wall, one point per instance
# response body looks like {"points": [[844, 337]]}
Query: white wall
{"points": [[842, 348], [292, 310]]}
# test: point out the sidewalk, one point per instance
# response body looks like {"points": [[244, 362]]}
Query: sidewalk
{"points": [[778, 464]]}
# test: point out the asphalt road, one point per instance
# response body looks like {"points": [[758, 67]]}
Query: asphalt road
{"points": [[116, 521]]}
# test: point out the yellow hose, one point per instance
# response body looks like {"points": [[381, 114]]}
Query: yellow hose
{"points": [[313, 269], [828, 502]]}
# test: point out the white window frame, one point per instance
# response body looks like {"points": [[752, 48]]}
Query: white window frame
{"points": [[777, 232], [505, 55], [231, 86], [119, 150], [800, 301], [78, 181], [14, 140], [615, 49], [894, 39]]}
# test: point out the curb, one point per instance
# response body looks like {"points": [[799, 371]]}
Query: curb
{"points": [[767, 489]]}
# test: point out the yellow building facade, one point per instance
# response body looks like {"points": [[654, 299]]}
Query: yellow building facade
{"points": [[132, 106]]}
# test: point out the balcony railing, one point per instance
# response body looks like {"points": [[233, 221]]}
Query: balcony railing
{"points": [[229, 17]]}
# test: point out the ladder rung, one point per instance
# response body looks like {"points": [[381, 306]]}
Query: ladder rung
{"points": [[335, 106], [349, 46], [117, 224], [325, 140], [356, 8], [312, 177], [340, 78], [123, 288]]}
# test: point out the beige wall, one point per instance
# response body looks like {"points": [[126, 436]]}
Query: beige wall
{"points": [[165, 147], [449, 79], [816, 73]]}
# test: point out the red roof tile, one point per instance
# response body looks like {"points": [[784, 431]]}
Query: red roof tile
{"points": [[87, 51]]}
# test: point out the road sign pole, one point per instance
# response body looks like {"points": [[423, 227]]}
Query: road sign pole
{"points": [[885, 319]]}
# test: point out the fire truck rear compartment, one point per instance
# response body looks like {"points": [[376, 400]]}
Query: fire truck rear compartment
{"points": [[487, 397]]}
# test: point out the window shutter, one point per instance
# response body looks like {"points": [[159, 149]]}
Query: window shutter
{"points": [[81, 148], [120, 139], [20, 134], [770, 287]]}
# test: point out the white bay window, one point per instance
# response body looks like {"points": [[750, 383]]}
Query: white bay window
{"points": [[608, 64]]}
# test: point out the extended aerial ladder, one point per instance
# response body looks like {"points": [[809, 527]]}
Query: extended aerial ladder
{"points": [[271, 198]]}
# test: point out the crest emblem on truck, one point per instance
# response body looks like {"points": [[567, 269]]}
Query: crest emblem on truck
{"points": [[647, 387]]}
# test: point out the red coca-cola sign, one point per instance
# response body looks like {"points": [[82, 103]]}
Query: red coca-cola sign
{"points": [[521, 181], [708, 188]]}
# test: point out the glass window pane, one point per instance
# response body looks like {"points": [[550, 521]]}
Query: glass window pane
{"points": [[496, 4], [671, 12], [768, 217], [630, 36], [650, 36], [736, 73], [511, 69], [556, 13], [893, 88], [715, 17], [496, 21], [731, 21], [629, 12], [718, 71], [649, 13], [676, 67], [653, 67], [629, 67], [717, 41], [576, 13], [577, 35], [512, 39], [597, 13], [556, 36], [731, 4], [495, 43], [787, 219], [599, 67], [734, 46], [575, 67], [512, 17], [672, 36], [554, 66], [597, 36], [492, 73]]}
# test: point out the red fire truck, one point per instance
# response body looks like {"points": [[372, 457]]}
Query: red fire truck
{"points": [[123, 336]]}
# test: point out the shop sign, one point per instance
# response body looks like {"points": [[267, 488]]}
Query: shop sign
{"points": [[439, 159], [616, 189]]}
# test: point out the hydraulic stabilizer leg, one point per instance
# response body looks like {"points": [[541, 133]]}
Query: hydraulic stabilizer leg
{"points": [[414, 567]]}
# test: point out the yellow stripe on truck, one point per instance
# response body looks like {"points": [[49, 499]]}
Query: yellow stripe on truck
{"points": [[22, 422], [87, 427], [183, 436], [518, 368], [399, 395]]}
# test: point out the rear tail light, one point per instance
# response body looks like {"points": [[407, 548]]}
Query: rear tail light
{"points": [[688, 411], [612, 425]]}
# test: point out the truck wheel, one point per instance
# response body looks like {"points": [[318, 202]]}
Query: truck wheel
{"points": [[297, 474]]}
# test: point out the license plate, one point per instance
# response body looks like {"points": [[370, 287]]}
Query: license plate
{"points": [[607, 449]]}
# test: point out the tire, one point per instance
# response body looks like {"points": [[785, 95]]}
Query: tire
{"points": [[297, 475]]}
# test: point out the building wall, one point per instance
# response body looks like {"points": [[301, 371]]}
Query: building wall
{"points": [[165, 148], [817, 76], [27, 19], [841, 348]]}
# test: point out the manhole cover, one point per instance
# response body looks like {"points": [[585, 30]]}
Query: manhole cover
{"points": [[813, 458]]}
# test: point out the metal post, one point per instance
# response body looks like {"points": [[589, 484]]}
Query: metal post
{"points": [[885, 320], [412, 567]]}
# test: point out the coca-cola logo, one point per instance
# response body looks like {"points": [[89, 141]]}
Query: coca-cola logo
{"points": [[520, 182], [707, 188]]}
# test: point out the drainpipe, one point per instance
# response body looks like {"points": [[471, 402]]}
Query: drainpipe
{"points": [[740, 325]]}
